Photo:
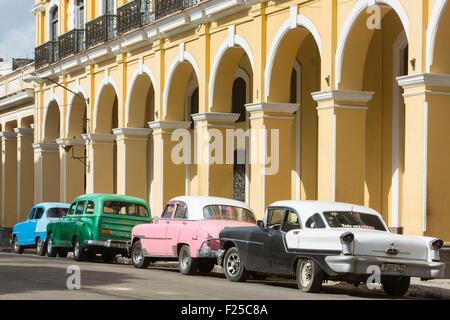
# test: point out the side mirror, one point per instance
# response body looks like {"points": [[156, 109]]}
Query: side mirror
{"points": [[260, 224], [154, 220]]}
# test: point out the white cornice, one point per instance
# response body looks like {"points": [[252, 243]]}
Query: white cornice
{"points": [[169, 125], [216, 117], [99, 138], [288, 108], [70, 142], [24, 131], [38, 7], [132, 132], [24, 96], [343, 95], [45, 146], [424, 79], [7, 135]]}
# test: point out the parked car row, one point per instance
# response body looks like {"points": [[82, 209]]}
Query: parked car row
{"points": [[311, 241]]}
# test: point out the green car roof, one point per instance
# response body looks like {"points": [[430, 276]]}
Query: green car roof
{"points": [[110, 197]]}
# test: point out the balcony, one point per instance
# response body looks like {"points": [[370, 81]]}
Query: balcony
{"points": [[168, 7], [101, 30], [134, 15], [46, 54], [71, 43]]}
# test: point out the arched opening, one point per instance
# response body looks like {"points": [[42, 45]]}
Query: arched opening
{"points": [[107, 119], [191, 108], [372, 60], [27, 122], [232, 91], [295, 74], [52, 123], [141, 111]]}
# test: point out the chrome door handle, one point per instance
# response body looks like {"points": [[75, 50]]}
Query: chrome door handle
{"points": [[296, 233]]}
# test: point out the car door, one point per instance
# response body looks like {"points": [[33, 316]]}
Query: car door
{"points": [[260, 242], [175, 226], [26, 231], [39, 213], [156, 239], [280, 258], [64, 230]]}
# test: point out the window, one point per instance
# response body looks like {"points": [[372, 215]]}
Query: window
{"points": [[72, 209], [54, 24], [125, 208], [315, 222], [31, 213], [168, 211], [275, 218], [291, 222], [39, 213], [79, 14], [90, 207], [224, 212], [181, 212], [56, 212], [354, 220], [80, 207]]}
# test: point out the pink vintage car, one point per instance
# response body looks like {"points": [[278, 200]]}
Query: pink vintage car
{"points": [[188, 231]]}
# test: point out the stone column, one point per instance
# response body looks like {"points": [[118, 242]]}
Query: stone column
{"points": [[132, 161], [9, 179], [270, 153], [426, 195], [72, 169], [46, 172], [100, 164], [342, 128], [168, 176], [215, 178], [25, 171]]}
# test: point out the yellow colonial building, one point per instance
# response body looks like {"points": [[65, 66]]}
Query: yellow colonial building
{"points": [[357, 91]]}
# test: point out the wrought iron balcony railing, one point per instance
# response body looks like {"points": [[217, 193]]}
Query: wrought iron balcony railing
{"points": [[166, 7], [46, 54], [134, 15], [71, 43], [100, 30]]}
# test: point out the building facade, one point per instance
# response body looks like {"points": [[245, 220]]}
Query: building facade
{"points": [[357, 91]]}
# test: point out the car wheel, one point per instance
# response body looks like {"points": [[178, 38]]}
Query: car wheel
{"points": [[396, 286], [188, 266], [137, 256], [206, 266], [40, 247], [108, 256], [309, 276], [18, 249], [233, 266], [62, 253], [52, 252], [78, 252]]}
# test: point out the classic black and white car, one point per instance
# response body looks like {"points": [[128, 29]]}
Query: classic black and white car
{"points": [[319, 241]]}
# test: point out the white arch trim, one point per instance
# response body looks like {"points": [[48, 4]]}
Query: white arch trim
{"points": [[108, 80], [52, 98], [232, 41], [79, 90], [432, 30], [182, 56], [141, 70], [351, 19], [293, 22]]}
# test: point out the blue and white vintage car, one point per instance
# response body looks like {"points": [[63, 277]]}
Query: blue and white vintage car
{"points": [[32, 233]]}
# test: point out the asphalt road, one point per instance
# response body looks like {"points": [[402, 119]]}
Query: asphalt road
{"points": [[31, 277]]}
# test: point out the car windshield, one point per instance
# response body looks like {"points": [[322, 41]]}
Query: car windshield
{"points": [[223, 212], [354, 220], [56, 212], [125, 208]]}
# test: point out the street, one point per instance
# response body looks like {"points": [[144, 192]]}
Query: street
{"points": [[31, 277]]}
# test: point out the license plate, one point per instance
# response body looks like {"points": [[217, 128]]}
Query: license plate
{"points": [[393, 267]]}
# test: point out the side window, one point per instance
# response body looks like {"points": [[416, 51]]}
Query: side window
{"points": [[315, 222], [291, 222], [181, 212], [90, 207], [31, 213], [72, 209], [168, 211], [39, 213], [275, 218], [80, 208]]}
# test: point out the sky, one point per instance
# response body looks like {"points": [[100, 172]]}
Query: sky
{"points": [[17, 29]]}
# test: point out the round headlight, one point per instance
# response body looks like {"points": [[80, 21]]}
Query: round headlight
{"points": [[437, 244], [347, 237]]}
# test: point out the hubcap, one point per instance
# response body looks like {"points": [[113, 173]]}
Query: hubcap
{"points": [[233, 264], [306, 274], [184, 260], [39, 246], [76, 250], [137, 256], [16, 245], [50, 244]]}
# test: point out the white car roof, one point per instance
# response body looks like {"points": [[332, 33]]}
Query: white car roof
{"points": [[308, 208], [195, 204]]}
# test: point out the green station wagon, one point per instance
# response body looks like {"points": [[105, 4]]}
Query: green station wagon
{"points": [[96, 224]]}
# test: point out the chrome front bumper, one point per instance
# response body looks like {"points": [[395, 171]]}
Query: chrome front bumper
{"points": [[360, 266], [114, 244]]}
